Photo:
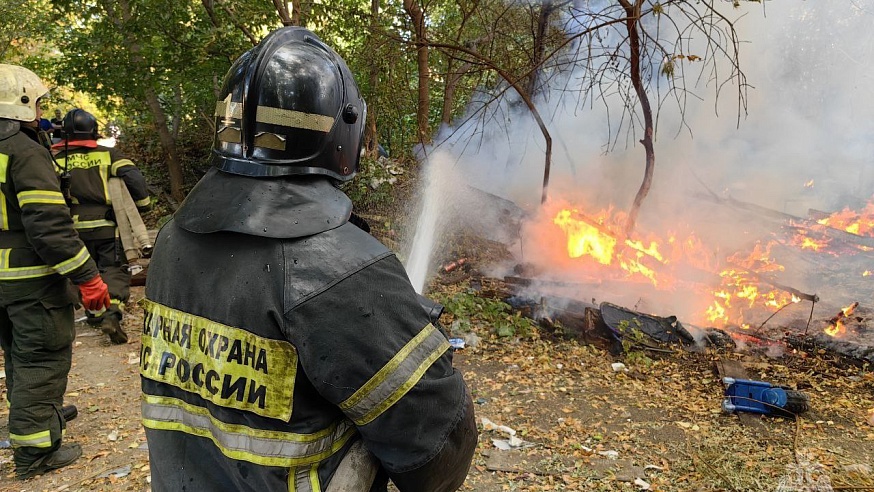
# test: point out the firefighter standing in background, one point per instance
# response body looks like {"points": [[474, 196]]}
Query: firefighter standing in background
{"points": [[278, 337], [39, 251], [90, 166]]}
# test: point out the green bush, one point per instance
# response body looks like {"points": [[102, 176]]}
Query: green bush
{"points": [[469, 309]]}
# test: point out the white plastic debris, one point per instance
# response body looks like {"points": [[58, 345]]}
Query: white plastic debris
{"points": [[641, 483], [512, 443], [610, 454], [489, 425], [113, 436], [471, 339], [618, 366], [502, 444], [117, 473]]}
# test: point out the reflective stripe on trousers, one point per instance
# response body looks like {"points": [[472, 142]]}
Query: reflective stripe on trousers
{"points": [[41, 439]]}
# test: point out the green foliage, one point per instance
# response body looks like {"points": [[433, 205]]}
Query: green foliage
{"points": [[22, 33], [470, 309], [371, 189]]}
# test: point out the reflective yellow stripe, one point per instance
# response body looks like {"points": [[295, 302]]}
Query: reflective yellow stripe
{"points": [[4, 164], [19, 273], [41, 439], [400, 374], [4, 220], [143, 203], [239, 442], [36, 197], [104, 178], [73, 263], [304, 479], [120, 164], [91, 224], [276, 116], [314, 478]]}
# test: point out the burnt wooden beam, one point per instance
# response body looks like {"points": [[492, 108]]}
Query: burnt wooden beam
{"points": [[811, 224], [785, 288], [848, 352]]}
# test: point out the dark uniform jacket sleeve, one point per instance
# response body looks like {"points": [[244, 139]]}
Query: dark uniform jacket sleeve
{"points": [[45, 216], [367, 346], [125, 169]]}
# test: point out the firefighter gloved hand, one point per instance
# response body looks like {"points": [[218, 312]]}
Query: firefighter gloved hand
{"points": [[95, 294]]}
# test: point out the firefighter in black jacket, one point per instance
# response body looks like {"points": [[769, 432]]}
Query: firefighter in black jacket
{"points": [[39, 252], [277, 335], [90, 166]]}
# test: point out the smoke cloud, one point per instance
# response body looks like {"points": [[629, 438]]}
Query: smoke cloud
{"points": [[807, 142]]}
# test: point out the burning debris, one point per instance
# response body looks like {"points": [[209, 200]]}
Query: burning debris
{"points": [[743, 296]]}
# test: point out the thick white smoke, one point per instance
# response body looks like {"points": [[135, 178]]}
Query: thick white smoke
{"points": [[806, 142]]}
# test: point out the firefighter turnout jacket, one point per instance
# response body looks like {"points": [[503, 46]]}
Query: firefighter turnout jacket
{"points": [[90, 167], [36, 235], [277, 335]]}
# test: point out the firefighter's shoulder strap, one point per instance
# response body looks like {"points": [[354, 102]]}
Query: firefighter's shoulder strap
{"points": [[134, 235]]}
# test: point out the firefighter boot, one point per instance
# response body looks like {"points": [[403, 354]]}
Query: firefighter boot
{"points": [[112, 326], [59, 458]]}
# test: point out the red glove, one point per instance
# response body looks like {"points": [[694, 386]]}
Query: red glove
{"points": [[95, 294]]}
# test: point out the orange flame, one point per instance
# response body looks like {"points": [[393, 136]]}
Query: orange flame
{"points": [[836, 326], [859, 223], [803, 241], [591, 237]]}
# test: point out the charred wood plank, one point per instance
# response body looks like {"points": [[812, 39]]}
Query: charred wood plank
{"points": [[773, 283], [847, 351], [839, 234]]}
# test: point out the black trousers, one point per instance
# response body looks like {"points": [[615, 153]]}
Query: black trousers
{"points": [[36, 333]]}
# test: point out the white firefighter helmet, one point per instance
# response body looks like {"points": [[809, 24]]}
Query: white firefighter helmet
{"points": [[20, 89]]}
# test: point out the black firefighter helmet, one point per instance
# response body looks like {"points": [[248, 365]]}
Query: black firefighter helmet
{"points": [[79, 124], [289, 106]]}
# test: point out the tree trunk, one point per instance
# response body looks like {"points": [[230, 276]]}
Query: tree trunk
{"points": [[282, 11], [541, 29], [526, 98], [417, 16], [168, 143], [632, 13], [371, 137], [453, 77]]}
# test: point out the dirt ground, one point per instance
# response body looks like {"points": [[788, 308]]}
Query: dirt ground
{"points": [[579, 424]]}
